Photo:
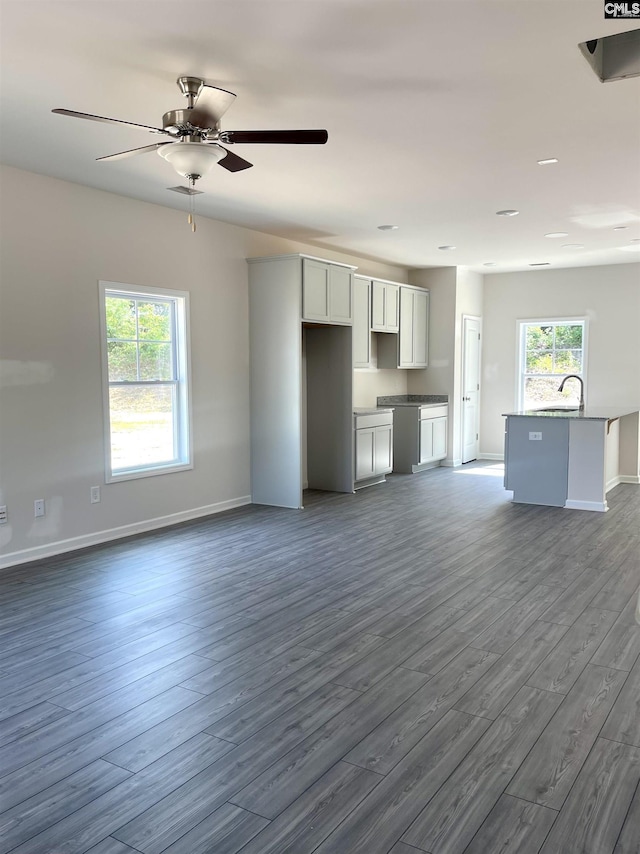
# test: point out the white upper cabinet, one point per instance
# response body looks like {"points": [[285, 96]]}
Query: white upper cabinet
{"points": [[410, 347], [413, 346], [327, 292], [361, 322], [384, 306]]}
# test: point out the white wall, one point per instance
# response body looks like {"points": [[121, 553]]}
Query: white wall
{"points": [[454, 292], [58, 240], [608, 296]]}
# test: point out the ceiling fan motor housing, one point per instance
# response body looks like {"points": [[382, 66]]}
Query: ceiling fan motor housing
{"points": [[184, 123]]}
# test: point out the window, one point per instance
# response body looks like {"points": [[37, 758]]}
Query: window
{"points": [[549, 350], [145, 376]]}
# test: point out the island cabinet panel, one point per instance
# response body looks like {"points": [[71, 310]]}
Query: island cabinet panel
{"points": [[326, 292], [537, 460]]}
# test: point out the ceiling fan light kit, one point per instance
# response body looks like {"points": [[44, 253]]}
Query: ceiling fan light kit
{"points": [[193, 147], [192, 159]]}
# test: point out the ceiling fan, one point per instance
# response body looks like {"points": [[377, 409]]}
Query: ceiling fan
{"points": [[194, 135]]}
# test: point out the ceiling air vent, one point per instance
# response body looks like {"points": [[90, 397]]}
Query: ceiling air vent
{"points": [[614, 57]]}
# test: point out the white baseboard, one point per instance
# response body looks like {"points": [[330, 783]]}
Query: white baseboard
{"points": [[621, 478], [498, 457], [61, 546], [598, 506], [451, 463]]}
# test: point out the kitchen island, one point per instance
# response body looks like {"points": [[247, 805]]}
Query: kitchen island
{"points": [[571, 458]]}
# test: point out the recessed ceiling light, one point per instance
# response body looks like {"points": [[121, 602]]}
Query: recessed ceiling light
{"points": [[635, 240], [620, 227], [508, 212], [540, 264], [388, 227], [547, 161], [446, 247], [557, 234], [573, 245], [489, 264]]}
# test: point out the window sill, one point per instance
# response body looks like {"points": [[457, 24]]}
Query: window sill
{"points": [[136, 474]]}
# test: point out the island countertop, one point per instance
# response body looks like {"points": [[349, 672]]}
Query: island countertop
{"points": [[591, 413]]}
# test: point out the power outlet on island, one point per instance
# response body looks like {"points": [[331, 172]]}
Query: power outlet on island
{"points": [[535, 437]]}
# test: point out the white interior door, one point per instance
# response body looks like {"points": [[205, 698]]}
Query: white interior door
{"points": [[470, 388]]}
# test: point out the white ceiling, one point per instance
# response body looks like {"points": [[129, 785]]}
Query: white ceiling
{"points": [[437, 113]]}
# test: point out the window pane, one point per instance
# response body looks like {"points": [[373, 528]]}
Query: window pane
{"points": [[122, 361], [154, 321], [569, 337], [121, 317], [568, 361], [155, 362], [142, 426], [542, 391], [539, 362], [539, 338]]}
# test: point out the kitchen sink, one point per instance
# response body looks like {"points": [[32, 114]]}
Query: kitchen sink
{"points": [[559, 409]]}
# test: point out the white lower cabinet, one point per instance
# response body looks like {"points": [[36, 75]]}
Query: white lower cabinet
{"points": [[373, 447], [433, 439], [420, 437]]}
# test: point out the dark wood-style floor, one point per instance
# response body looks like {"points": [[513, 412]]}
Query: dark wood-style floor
{"points": [[420, 667]]}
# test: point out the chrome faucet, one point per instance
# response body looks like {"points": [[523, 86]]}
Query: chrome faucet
{"points": [[575, 377]]}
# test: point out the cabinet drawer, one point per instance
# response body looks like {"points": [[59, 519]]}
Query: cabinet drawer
{"points": [[434, 412], [377, 419]]}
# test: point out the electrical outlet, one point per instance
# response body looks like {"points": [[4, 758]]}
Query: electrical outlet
{"points": [[3, 514], [535, 437], [38, 507], [95, 494]]}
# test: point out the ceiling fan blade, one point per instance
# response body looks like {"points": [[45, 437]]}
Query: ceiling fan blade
{"points": [[290, 137], [132, 151], [212, 103], [234, 163], [92, 118]]}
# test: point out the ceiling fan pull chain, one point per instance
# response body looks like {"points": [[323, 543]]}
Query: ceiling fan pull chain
{"points": [[192, 206]]}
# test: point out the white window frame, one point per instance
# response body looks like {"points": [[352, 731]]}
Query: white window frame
{"points": [[183, 431], [521, 357]]}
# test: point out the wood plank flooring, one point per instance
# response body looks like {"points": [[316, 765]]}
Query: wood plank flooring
{"points": [[420, 668]]}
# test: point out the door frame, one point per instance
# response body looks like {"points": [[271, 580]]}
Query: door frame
{"points": [[465, 319]]}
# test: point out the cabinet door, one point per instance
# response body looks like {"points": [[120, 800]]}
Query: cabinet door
{"points": [[340, 300], [420, 328], [392, 307], [426, 440], [365, 453], [361, 323], [405, 355], [383, 453], [439, 438], [378, 314], [315, 290]]}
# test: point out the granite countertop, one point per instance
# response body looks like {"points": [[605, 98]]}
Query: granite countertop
{"points": [[591, 413], [413, 400]]}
